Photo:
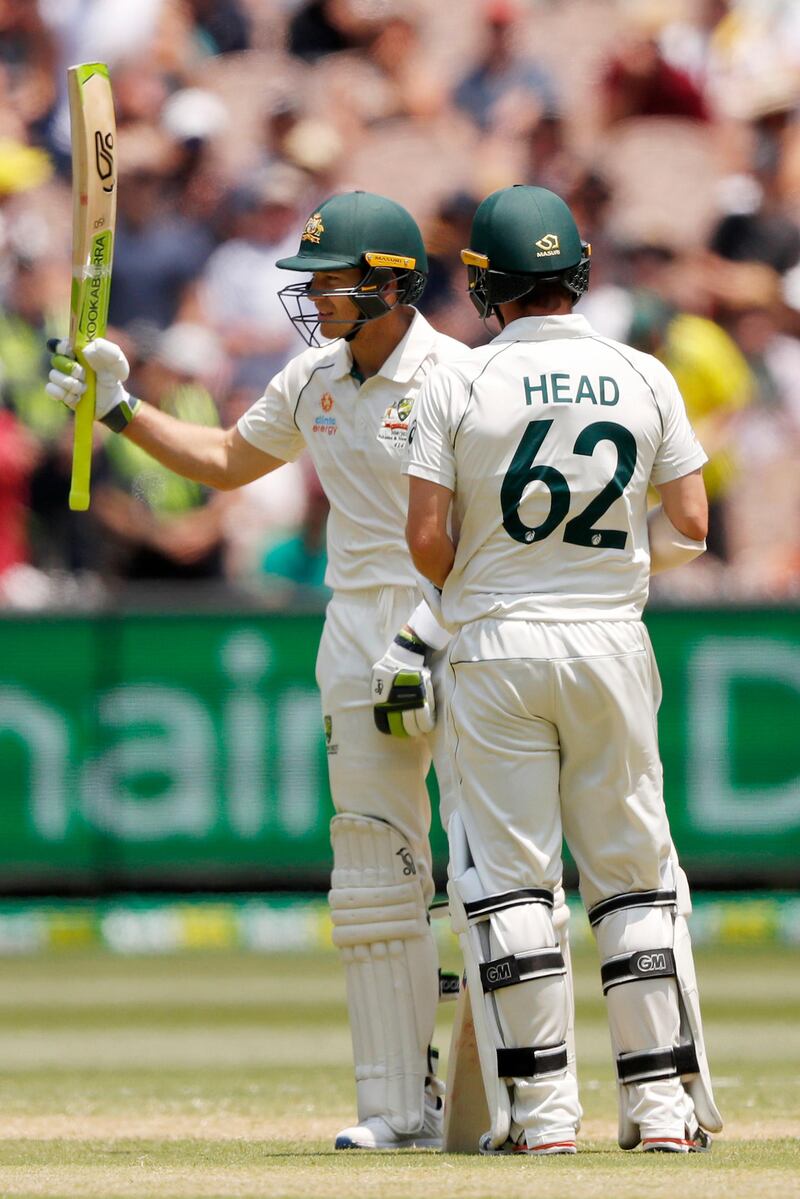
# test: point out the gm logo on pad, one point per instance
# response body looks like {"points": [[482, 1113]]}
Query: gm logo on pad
{"points": [[500, 973], [650, 963]]}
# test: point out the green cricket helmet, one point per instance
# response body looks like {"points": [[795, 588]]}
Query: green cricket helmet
{"points": [[356, 229], [522, 236]]}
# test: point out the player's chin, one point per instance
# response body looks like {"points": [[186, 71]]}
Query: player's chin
{"points": [[331, 328]]}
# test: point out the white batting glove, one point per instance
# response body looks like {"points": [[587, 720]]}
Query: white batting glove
{"points": [[402, 689], [67, 381]]}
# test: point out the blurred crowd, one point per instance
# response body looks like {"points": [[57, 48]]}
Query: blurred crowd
{"points": [[672, 128]]}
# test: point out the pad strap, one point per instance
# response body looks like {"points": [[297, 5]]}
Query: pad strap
{"points": [[479, 909], [633, 899], [530, 1062], [521, 968], [648, 1065], [633, 967]]}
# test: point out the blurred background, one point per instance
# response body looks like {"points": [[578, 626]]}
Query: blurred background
{"points": [[160, 729]]}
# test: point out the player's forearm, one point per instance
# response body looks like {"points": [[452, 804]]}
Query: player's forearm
{"points": [[433, 555], [194, 451], [685, 502]]}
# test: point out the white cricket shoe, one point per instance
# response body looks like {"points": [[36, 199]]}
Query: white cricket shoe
{"points": [[698, 1141], [374, 1132], [520, 1146]]}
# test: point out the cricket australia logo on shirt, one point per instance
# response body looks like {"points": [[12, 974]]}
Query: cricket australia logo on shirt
{"points": [[394, 423], [325, 423]]}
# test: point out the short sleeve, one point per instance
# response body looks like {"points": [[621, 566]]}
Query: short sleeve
{"points": [[430, 443], [269, 423], [680, 452]]}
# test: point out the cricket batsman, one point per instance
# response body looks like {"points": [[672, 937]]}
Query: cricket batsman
{"points": [[540, 448], [348, 401]]}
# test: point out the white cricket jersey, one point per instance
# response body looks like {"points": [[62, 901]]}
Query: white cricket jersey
{"points": [[549, 437], [356, 434]]}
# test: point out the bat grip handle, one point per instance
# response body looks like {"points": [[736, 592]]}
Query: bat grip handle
{"points": [[82, 445]]}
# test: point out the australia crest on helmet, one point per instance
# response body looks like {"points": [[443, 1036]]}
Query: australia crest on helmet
{"points": [[314, 229]]}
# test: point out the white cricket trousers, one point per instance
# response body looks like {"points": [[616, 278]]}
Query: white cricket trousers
{"points": [[554, 732], [372, 774]]}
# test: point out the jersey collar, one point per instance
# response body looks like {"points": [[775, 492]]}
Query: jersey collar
{"points": [[405, 359], [546, 328]]}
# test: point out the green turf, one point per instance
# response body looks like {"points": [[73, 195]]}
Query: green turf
{"points": [[228, 1075]]}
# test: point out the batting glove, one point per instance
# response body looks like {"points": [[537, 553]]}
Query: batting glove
{"points": [[113, 405], [402, 688]]}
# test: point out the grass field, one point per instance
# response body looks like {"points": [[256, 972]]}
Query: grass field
{"points": [[228, 1075]]}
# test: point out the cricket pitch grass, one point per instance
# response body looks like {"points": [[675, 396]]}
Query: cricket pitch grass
{"points": [[221, 1074]]}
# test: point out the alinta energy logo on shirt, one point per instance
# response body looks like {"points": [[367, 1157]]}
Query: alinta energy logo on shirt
{"points": [[325, 423]]}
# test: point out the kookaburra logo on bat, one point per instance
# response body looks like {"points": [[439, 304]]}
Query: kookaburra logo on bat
{"points": [[104, 158]]}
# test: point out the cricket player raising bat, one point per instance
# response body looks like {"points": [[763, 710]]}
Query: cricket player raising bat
{"points": [[544, 444], [349, 402]]}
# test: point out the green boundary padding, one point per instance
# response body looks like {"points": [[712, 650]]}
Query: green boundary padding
{"points": [[280, 923]]}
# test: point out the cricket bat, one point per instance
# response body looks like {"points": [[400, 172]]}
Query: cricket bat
{"points": [[466, 1112], [94, 207]]}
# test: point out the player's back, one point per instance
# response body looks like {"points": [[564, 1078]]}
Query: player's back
{"points": [[553, 435]]}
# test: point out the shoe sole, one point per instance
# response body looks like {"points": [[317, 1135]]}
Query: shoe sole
{"points": [[554, 1149], [673, 1145], [411, 1143]]}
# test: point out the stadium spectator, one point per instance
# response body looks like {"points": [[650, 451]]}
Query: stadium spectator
{"points": [[300, 559], [159, 525], [639, 82], [196, 119], [759, 221], [445, 300], [321, 27], [19, 453], [158, 251], [411, 84], [237, 292], [716, 384], [222, 26], [351, 87], [505, 81]]}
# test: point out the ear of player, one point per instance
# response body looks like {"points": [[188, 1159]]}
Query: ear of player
{"points": [[113, 405]]}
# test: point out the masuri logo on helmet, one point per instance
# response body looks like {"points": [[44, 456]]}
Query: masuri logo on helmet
{"points": [[357, 229], [513, 230]]}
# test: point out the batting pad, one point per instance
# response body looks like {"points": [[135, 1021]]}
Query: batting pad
{"points": [[654, 1016], [519, 1000], [380, 925], [699, 1087]]}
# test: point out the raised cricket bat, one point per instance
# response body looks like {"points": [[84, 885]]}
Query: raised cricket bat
{"points": [[94, 207]]}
